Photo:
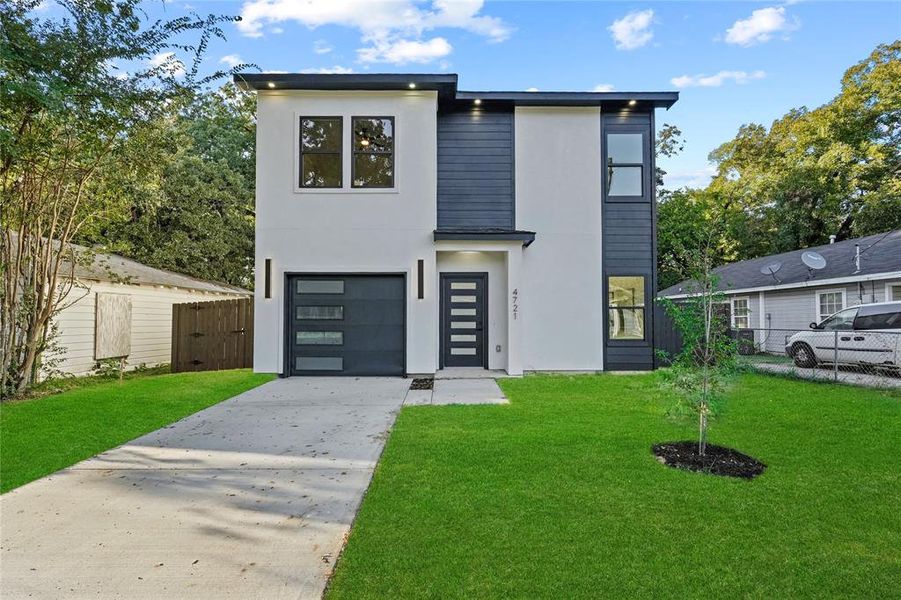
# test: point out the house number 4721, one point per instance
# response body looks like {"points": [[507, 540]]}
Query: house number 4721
{"points": [[515, 302]]}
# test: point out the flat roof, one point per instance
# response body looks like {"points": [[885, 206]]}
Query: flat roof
{"points": [[446, 86]]}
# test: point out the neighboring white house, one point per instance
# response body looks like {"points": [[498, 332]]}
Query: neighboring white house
{"points": [[404, 226], [781, 292], [122, 306]]}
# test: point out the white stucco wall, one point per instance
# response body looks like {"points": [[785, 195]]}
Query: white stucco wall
{"points": [[558, 195], [346, 230]]}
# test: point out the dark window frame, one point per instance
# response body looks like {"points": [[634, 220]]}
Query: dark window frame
{"points": [[645, 165], [354, 152], [340, 152], [644, 309]]}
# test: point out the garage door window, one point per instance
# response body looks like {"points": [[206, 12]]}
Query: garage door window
{"points": [[320, 286], [320, 313], [319, 363], [320, 338]]}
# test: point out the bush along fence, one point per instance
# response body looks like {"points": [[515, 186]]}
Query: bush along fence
{"points": [[861, 357], [211, 336]]}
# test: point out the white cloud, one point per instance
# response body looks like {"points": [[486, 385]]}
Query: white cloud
{"points": [[337, 69], [168, 63], [634, 30], [760, 27], [740, 77], [603, 87], [392, 29], [322, 47], [401, 52], [231, 60]]}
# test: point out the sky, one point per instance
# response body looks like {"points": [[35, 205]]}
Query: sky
{"points": [[733, 62]]}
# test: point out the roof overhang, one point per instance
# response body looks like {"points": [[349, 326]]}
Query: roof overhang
{"points": [[448, 94], [444, 84], [526, 237]]}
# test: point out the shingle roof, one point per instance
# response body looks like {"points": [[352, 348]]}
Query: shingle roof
{"points": [[880, 253], [112, 267]]}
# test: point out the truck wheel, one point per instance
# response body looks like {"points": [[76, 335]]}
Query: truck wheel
{"points": [[803, 355]]}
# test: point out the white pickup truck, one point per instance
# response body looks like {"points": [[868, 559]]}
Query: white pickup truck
{"points": [[868, 335]]}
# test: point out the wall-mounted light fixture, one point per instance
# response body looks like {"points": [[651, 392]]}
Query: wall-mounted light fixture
{"points": [[271, 84], [267, 276], [633, 102], [412, 86], [420, 279], [477, 101]]}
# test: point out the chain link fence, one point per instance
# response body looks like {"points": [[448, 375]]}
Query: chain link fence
{"points": [[869, 358]]}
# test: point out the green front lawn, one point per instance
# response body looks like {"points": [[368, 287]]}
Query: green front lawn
{"points": [[45, 434], [557, 495]]}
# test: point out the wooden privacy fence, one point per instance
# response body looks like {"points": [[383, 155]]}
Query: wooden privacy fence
{"points": [[211, 336]]}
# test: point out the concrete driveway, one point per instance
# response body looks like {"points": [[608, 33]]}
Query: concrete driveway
{"points": [[251, 498]]}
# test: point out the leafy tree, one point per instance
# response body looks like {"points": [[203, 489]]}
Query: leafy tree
{"points": [[70, 115], [698, 376], [194, 211]]}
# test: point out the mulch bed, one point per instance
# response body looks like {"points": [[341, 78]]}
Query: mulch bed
{"points": [[716, 461], [422, 384]]}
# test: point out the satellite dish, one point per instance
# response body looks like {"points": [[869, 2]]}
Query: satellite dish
{"points": [[771, 268], [813, 260]]}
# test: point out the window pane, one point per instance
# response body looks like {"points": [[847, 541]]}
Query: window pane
{"points": [[373, 135], [625, 291], [320, 286], [321, 170], [319, 363], [321, 134], [624, 148], [624, 181], [320, 338], [842, 321], [626, 323], [830, 302], [895, 292], [320, 312], [373, 170]]}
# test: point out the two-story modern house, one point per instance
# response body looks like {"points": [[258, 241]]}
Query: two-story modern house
{"points": [[405, 226]]}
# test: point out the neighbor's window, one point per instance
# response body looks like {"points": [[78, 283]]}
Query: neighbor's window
{"points": [[320, 152], [625, 164], [373, 152], [829, 303], [741, 313], [625, 307], [894, 293]]}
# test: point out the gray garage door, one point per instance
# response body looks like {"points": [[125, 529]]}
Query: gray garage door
{"points": [[346, 324]]}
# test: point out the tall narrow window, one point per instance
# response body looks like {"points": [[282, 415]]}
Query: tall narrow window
{"points": [[625, 164], [625, 307], [829, 302], [320, 152], [373, 152]]}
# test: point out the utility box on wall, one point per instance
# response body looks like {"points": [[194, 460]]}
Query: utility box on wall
{"points": [[112, 330]]}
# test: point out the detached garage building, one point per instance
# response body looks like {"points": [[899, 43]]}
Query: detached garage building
{"points": [[120, 305]]}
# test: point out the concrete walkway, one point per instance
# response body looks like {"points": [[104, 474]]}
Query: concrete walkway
{"points": [[458, 391], [251, 498]]}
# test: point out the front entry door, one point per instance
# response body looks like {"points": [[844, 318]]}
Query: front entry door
{"points": [[463, 320]]}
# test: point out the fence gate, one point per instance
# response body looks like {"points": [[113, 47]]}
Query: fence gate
{"points": [[211, 336]]}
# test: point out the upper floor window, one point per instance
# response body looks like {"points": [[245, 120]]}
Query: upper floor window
{"points": [[373, 152], [625, 164], [320, 152]]}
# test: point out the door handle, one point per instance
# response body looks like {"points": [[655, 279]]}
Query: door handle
{"points": [[845, 338], [858, 338]]}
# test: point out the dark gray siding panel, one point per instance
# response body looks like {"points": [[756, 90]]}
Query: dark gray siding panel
{"points": [[475, 170], [629, 247]]}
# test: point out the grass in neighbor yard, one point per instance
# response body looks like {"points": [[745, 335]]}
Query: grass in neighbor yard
{"points": [[42, 435], [557, 495]]}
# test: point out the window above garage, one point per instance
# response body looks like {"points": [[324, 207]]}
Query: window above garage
{"points": [[327, 149]]}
